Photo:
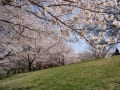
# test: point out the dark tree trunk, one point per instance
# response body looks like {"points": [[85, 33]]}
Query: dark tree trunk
{"points": [[29, 66]]}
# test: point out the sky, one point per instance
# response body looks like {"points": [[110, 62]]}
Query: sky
{"points": [[80, 46]]}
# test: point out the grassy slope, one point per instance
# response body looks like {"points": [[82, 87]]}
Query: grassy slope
{"points": [[93, 75]]}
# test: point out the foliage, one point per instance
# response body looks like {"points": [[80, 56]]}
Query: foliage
{"points": [[30, 28], [98, 22]]}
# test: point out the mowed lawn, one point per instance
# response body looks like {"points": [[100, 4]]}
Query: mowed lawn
{"points": [[101, 74]]}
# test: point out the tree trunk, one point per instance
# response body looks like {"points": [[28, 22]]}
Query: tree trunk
{"points": [[29, 66]]}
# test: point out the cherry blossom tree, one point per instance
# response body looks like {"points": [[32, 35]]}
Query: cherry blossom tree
{"points": [[97, 22]]}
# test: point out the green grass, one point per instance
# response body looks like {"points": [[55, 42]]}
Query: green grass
{"points": [[102, 74]]}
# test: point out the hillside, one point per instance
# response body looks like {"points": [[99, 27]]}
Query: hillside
{"points": [[102, 74]]}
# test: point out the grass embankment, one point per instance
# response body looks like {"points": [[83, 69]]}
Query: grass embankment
{"points": [[99, 74]]}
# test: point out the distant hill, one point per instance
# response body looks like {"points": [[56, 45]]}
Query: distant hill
{"points": [[101, 74]]}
